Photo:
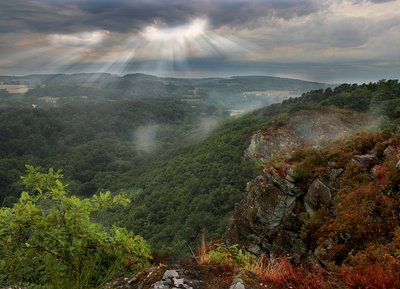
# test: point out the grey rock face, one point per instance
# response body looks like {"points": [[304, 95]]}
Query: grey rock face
{"points": [[170, 274], [334, 175], [318, 195], [398, 166], [366, 161], [256, 146], [237, 282], [262, 145], [264, 221], [175, 279], [389, 152]]}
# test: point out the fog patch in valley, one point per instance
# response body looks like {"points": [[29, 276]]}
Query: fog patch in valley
{"points": [[145, 138], [206, 125]]}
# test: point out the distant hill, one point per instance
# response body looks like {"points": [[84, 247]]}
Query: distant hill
{"points": [[237, 92]]}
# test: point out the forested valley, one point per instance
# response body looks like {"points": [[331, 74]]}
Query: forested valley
{"points": [[182, 166]]}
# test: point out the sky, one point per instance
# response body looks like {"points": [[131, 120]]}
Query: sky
{"points": [[319, 40]]}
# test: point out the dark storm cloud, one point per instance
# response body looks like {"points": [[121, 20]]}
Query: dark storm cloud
{"points": [[38, 16], [123, 15]]}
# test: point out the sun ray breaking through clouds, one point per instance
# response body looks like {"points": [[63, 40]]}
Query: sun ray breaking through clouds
{"points": [[165, 47], [172, 46]]}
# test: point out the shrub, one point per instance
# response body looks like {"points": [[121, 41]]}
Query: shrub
{"points": [[281, 273], [221, 254], [372, 275], [308, 163], [49, 238]]}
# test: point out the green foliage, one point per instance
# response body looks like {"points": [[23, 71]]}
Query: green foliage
{"points": [[381, 123], [229, 256], [49, 238], [379, 98], [187, 181], [307, 163], [93, 142], [194, 190]]}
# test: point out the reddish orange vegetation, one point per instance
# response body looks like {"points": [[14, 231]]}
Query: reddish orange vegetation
{"points": [[381, 173], [374, 275], [362, 237]]}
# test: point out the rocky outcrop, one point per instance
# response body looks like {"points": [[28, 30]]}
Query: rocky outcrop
{"points": [[304, 126], [269, 220], [265, 143], [270, 217]]}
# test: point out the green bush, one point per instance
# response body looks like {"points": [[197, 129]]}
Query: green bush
{"points": [[48, 238], [230, 256]]}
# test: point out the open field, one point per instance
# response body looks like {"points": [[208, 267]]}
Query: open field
{"points": [[15, 88]]}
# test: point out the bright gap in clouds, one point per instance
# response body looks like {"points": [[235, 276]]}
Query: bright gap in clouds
{"points": [[179, 34], [171, 47]]}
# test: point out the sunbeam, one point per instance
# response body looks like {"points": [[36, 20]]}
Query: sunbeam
{"points": [[171, 47], [156, 49]]}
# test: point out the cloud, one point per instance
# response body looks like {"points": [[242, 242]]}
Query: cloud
{"points": [[124, 15], [200, 37], [78, 39], [145, 138], [342, 32]]}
